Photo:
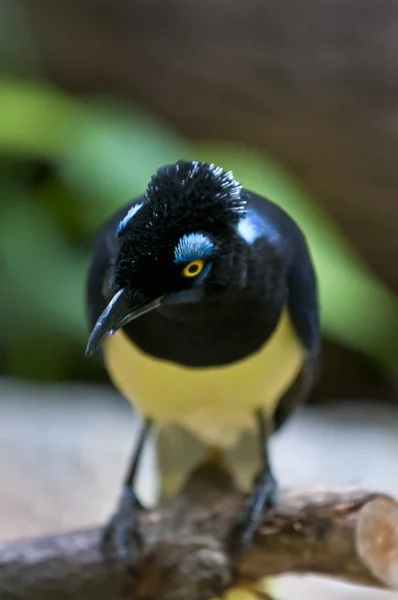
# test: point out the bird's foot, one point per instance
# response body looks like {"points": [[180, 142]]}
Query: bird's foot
{"points": [[263, 496], [122, 531]]}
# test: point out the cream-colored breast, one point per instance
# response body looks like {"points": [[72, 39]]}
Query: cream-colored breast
{"points": [[216, 403]]}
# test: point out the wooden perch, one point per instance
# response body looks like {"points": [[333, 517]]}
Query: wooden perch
{"points": [[347, 534]]}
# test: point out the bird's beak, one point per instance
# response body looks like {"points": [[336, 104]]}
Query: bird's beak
{"points": [[118, 313]]}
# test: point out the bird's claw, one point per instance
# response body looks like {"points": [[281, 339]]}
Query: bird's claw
{"points": [[122, 530], [242, 531]]}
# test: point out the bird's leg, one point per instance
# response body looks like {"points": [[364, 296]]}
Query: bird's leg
{"points": [[122, 530], [262, 496]]}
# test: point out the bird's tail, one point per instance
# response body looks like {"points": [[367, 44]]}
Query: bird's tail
{"points": [[179, 452]]}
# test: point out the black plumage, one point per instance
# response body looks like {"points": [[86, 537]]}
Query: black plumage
{"points": [[256, 265], [245, 297]]}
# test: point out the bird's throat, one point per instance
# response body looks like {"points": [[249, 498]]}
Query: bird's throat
{"points": [[205, 334]]}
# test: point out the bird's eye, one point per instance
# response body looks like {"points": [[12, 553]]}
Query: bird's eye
{"points": [[193, 268]]}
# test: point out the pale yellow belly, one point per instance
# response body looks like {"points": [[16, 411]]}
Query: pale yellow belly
{"points": [[215, 403]]}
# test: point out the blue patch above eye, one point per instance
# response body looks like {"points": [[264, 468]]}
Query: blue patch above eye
{"points": [[193, 246], [133, 210]]}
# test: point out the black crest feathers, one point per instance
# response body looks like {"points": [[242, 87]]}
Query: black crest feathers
{"points": [[181, 198], [198, 186], [188, 194]]}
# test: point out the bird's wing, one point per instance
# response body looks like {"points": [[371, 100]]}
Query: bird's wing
{"points": [[304, 312], [302, 294], [302, 298]]}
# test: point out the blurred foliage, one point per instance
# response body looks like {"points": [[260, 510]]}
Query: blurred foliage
{"points": [[67, 164]]}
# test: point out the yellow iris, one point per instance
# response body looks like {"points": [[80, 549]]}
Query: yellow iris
{"points": [[193, 268]]}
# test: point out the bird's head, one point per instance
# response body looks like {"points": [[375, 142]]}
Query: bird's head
{"points": [[174, 244]]}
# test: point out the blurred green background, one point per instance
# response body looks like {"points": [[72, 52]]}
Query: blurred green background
{"points": [[67, 162]]}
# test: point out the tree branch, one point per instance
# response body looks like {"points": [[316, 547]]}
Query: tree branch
{"points": [[347, 534]]}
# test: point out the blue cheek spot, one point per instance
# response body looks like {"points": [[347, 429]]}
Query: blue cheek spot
{"points": [[193, 246], [133, 210]]}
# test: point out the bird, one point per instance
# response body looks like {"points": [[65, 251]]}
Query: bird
{"points": [[202, 299]]}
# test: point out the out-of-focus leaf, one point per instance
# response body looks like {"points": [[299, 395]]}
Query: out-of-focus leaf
{"points": [[113, 155], [357, 308], [33, 356], [35, 120], [43, 276], [104, 152], [64, 206]]}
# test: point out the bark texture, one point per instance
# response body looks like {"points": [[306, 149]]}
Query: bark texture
{"points": [[344, 533]]}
